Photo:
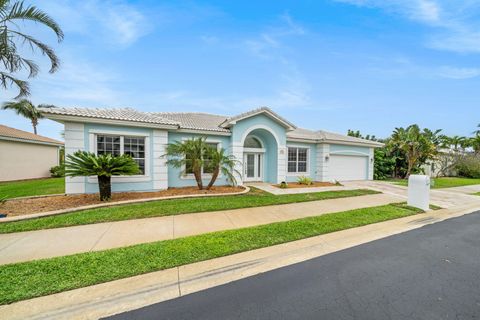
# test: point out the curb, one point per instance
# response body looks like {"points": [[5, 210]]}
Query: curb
{"points": [[114, 204]]}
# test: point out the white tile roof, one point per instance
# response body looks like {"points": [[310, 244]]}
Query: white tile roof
{"points": [[195, 120], [202, 122], [125, 114]]}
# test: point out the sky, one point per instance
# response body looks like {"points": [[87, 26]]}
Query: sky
{"points": [[368, 65]]}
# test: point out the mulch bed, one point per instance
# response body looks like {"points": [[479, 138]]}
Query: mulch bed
{"points": [[35, 205], [313, 185]]}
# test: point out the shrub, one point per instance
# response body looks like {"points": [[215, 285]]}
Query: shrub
{"points": [[58, 171], [283, 185], [305, 180], [469, 166]]}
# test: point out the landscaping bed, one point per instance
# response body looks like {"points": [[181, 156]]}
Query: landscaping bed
{"points": [[27, 280], [314, 184], [17, 207]]}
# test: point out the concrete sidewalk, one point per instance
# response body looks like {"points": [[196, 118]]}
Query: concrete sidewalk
{"points": [[135, 292], [24, 246]]}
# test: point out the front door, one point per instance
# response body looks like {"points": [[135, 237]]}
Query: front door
{"points": [[252, 167]]}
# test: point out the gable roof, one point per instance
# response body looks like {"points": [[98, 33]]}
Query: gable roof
{"points": [[9, 133], [263, 110]]}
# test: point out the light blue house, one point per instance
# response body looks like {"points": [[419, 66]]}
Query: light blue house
{"points": [[269, 148]]}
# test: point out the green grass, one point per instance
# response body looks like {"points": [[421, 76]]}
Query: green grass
{"points": [[255, 198], [477, 194], [26, 280], [37, 187], [445, 182]]}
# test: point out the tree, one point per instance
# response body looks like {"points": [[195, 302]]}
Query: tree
{"points": [[189, 155], [10, 35], [104, 166], [416, 145], [26, 109], [475, 143], [477, 131], [218, 161]]}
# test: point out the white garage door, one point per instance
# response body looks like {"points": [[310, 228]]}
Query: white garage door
{"points": [[344, 168]]}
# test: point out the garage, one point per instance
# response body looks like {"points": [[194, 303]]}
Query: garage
{"points": [[345, 168]]}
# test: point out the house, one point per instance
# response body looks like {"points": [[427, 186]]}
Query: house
{"points": [[269, 148], [24, 155]]}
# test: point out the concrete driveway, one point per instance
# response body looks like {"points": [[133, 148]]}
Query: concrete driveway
{"points": [[445, 198]]}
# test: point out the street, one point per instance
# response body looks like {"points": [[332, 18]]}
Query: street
{"points": [[428, 273]]}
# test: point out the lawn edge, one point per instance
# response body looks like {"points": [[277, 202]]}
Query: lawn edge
{"points": [[413, 211]]}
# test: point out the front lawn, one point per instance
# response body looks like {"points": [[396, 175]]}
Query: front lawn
{"points": [[26, 188], [254, 198], [27, 280], [444, 182]]}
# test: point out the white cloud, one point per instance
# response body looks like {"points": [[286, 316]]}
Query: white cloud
{"points": [[114, 22], [455, 25], [458, 73]]}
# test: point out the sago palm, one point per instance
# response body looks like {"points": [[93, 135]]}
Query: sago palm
{"points": [[189, 155], [26, 109], [84, 164], [220, 162], [11, 36]]}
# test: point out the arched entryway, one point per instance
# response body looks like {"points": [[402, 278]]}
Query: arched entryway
{"points": [[260, 159]]}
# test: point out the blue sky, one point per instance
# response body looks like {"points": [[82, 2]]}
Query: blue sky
{"points": [[368, 65]]}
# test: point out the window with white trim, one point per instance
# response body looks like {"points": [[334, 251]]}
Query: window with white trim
{"points": [[205, 169], [117, 145], [297, 160]]}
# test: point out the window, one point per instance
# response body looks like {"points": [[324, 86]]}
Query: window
{"points": [[205, 168], [117, 145], [135, 147], [297, 160], [251, 142], [108, 144]]}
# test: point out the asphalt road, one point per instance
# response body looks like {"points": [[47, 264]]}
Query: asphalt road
{"points": [[428, 273]]}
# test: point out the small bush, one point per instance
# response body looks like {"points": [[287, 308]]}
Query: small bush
{"points": [[283, 185], [469, 167], [58, 171], [305, 180]]}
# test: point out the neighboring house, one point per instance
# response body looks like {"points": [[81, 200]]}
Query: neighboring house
{"points": [[268, 147], [24, 155]]}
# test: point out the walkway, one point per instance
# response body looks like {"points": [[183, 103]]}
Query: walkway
{"points": [[40, 244], [445, 198], [268, 187]]}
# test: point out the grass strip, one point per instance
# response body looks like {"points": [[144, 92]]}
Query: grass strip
{"points": [[26, 188], [444, 182], [254, 198], [26, 280]]}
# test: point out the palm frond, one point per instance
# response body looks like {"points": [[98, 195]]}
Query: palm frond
{"points": [[7, 81]]}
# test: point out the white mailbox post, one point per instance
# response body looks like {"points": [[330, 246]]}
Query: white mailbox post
{"points": [[419, 191]]}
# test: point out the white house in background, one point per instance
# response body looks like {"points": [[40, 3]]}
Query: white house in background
{"points": [[24, 155], [268, 147]]}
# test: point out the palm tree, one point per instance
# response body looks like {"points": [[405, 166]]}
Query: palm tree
{"points": [[456, 142], [477, 132], [475, 143], [218, 161], [12, 12], [189, 155], [83, 164], [26, 109]]}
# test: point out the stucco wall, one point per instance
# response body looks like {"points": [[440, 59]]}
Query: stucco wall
{"points": [[312, 163], [19, 160], [175, 179]]}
